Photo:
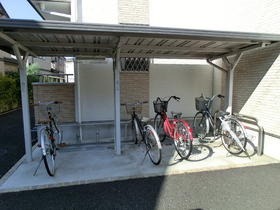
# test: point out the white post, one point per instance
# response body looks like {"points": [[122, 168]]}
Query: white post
{"points": [[117, 103], [229, 90], [25, 102], [230, 79]]}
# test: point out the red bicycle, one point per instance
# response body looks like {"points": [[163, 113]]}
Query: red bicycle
{"points": [[179, 130]]}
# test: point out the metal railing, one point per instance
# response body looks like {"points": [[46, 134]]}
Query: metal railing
{"points": [[244, 118], [56, 77]]}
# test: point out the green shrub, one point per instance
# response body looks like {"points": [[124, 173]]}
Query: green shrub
{"points": [[8, 93]]}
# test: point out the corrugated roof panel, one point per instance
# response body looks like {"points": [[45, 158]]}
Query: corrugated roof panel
{"points": [[70, 39]]}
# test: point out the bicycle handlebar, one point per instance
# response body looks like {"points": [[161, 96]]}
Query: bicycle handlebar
{"points": [[175, 97], [46, 103], [139, 102], [217, 95]]}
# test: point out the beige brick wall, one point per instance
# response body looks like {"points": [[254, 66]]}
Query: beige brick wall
{"points": [[134, 87], [133, 11], [64, 93], [256, 87]]}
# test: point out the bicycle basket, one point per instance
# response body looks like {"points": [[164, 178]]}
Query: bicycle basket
{"points": [[200, 103], [160, 106], [54, 109], [130, 108]]}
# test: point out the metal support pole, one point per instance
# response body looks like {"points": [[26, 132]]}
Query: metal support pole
{"points": [[78, 109], [230, 67], [117, 105], [24, 102]]}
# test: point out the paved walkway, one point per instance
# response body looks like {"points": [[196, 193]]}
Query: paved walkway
{"points": [[76, 166]]}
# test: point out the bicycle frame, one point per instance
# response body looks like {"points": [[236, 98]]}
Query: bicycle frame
{"points": [[139, 124], [169, 129]]}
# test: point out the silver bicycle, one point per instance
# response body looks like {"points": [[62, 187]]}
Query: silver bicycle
{"points": [[142, 131], [50, 138], [233, 134]]}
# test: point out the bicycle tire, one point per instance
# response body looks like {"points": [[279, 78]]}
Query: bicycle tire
{"points": [[200, 125], [57, 134], [48, 153], [135, 132], [153, 145], [182, 141], [229, 142], [158, 125]]}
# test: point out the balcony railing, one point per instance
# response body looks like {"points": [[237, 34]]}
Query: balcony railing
{"points": [[54, 78]]}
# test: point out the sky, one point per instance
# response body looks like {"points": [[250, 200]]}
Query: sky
{"points": [[20, 9]]}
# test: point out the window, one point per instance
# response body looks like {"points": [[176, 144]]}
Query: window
{"points": [[135, 64]]}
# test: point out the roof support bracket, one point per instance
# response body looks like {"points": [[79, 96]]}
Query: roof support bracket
{"points": [[15, 43], [230, 66]]}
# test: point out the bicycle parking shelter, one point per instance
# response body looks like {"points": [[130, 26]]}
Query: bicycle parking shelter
{"points": [[48, 38]]}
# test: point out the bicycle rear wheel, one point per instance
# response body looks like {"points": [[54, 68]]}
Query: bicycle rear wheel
{"points": [[200, 125], [158, 125], [48, 152], [227, 137], [182, 142], [153, 145]]}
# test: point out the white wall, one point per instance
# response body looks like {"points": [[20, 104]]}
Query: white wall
{"points": [[226, 15], [97, 89], [96, 11], [186, 80]]}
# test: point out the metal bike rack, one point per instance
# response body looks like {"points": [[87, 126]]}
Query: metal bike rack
{"points": [[261, 131]]}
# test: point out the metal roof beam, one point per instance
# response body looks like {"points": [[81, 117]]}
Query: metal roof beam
{"points": [[71, 53], [236, 51], [167, 56], [13, 42], [175, 48], [67, 45]]}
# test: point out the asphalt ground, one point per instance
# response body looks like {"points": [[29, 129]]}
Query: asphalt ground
{"points": [[12, 147], [256, 188]]}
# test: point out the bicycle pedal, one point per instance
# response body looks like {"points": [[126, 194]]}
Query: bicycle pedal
{"points": [[38, 145]]}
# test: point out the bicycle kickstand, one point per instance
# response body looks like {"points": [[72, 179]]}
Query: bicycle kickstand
{"points": [[145, 156], [38, 166]]}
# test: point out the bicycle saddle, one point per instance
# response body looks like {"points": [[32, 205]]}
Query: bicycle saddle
{"points": [[46, 120], [176, 114], [223, 113], [145, 119]]}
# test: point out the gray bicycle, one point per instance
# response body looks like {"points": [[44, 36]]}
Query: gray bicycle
{"points": [[142, 131]]}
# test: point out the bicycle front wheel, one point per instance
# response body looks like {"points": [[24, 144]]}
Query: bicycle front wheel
{"points": [[182, 141], [135, 132], [200, 125], [48, 152], [153, 145], [228, 137], [159, 128]]}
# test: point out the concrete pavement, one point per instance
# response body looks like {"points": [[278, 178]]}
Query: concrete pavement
{"points": [[84, 165]]}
